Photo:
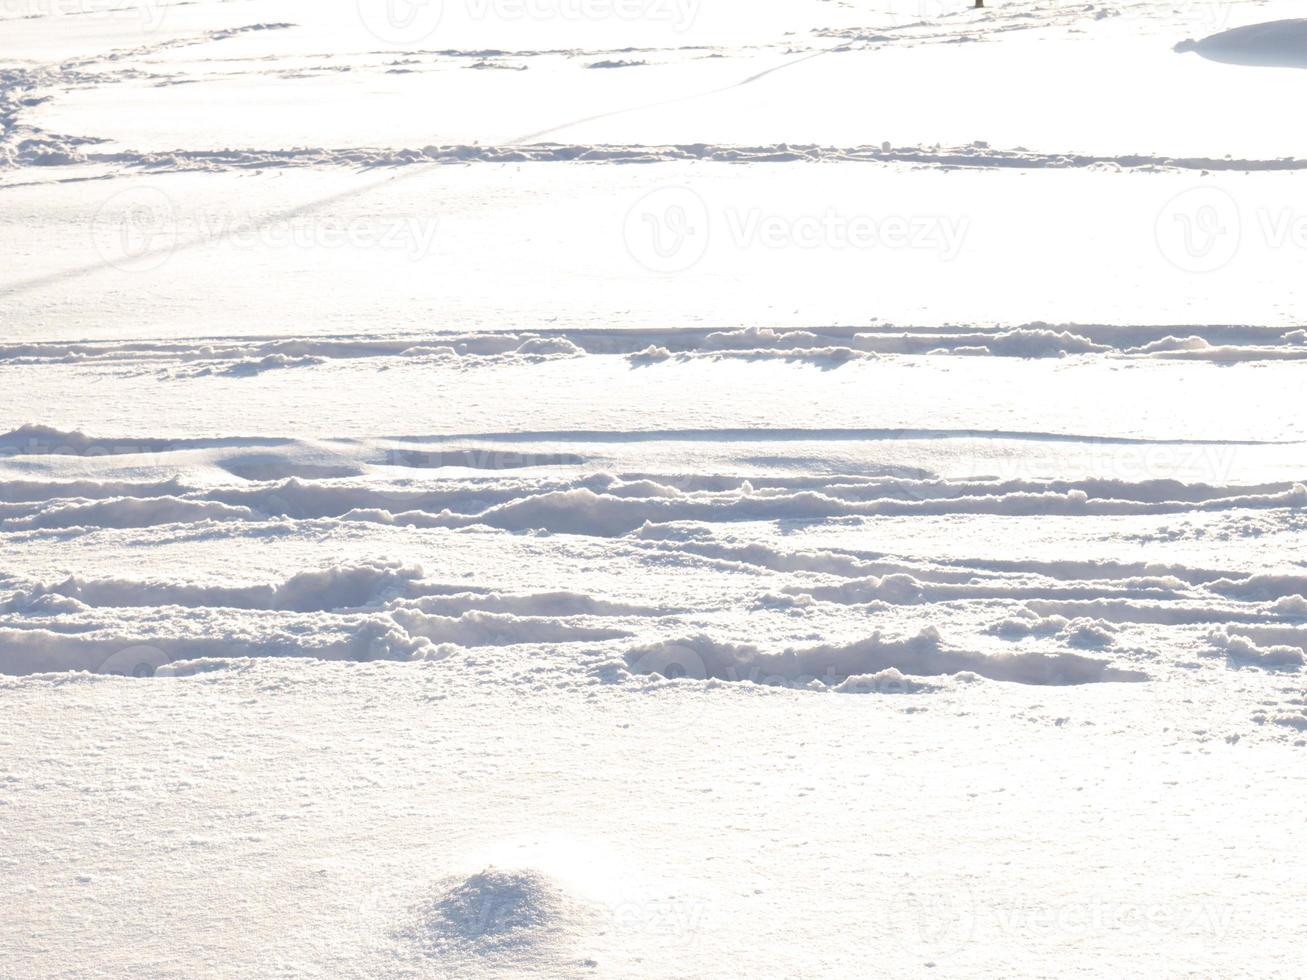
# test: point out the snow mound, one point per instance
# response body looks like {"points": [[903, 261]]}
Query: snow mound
{"points": [[499, 916], [273, 362], [1083, 633], [1277, 44], [1292, 606], [888, 681]]}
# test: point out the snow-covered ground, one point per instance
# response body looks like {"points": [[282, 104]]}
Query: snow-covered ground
{"points": [[652, 488]]}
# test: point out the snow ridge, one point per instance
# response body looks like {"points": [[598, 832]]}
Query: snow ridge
{"points": [[826, 346], [976, 156], [831, 666]]}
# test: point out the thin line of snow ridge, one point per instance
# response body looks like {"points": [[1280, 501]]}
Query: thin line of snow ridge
{"points": [[831, 346], [605, 505], [974, 156]]}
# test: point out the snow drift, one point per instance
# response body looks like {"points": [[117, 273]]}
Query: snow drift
{"points": [[1277, 44]]}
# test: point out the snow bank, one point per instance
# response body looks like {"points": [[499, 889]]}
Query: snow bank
{"points": [[499, 629], [960, 157], [1182, 613], [558, 603], [605, 505], [143, 653], [368, 610], [44, 440], [702, 657], [1031, 343], [122, 512], [1292, 606], [1261, 587], [248, 357], [905, 589], [1242, 649], [338, 589], [135, 648], [334, 588], [583, 511], [34, 491], [1082, 633]]}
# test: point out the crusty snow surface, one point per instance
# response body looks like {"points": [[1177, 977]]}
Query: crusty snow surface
{"points": [[660, 488]]}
